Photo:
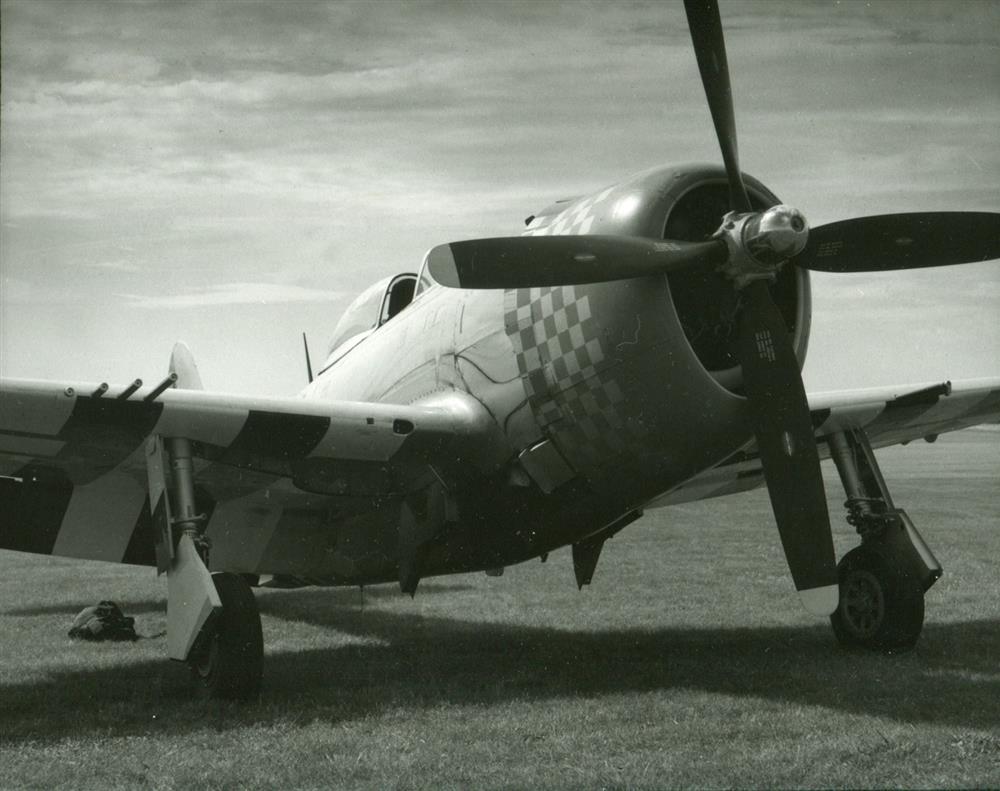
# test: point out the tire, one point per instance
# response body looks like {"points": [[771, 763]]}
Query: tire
{"points": [[227, 661], [879, 608]]}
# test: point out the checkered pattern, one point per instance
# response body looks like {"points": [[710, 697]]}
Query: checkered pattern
{"points": [[577, 218], [555, 340], [597, 429], [559, 354]]}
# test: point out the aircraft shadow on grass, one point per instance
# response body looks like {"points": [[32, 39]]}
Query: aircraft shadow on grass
{"points": [[411, 660]]}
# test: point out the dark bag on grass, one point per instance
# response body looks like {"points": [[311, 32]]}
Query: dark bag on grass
{"points": [[103, 622]]}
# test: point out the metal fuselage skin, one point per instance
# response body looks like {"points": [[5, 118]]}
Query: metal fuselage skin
{"points": [[599, 400]]}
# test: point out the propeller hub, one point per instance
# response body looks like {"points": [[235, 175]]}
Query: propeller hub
{"points": [[760, 242]]}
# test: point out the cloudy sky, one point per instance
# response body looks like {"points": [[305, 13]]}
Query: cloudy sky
{"points": [[232, 173]]}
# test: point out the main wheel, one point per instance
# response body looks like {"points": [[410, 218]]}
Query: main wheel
{"points": [[879, 608], [227, 661]]}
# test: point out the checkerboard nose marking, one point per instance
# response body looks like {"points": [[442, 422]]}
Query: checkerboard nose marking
{"points": [[577, 218], [560, 356]]}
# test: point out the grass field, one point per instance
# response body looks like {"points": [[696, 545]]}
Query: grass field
{"points": [[688, 663]]}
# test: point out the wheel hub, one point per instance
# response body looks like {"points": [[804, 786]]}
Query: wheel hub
{"points": [[204, 657], [863, 603]]}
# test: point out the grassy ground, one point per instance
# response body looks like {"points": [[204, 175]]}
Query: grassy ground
{"points": [[688, 662]]}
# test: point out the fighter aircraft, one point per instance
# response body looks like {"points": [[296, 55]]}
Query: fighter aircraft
{"points": [[634, 348]]}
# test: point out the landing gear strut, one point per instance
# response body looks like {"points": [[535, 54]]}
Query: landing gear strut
{"points": [[883, 581]]}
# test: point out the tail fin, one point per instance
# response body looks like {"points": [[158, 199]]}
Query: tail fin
{"points": [[182, 363]]}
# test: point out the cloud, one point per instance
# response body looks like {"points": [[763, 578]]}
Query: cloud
{"points": [[117, 265], [236, 294]]}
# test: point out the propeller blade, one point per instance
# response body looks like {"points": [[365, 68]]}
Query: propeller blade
{"points": [[533, 261], [710, 50], [787, 447], [902, 241]]}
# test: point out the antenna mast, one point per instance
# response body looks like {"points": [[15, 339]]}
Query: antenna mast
{"points": [[309, 368]]}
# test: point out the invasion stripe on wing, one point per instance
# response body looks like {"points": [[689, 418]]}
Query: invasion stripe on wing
{"points": [[33, 511], [101, 517], [95, 438], [913, 419], [270, 440]]}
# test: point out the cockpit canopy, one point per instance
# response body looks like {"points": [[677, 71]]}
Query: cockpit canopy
{"points": [[373, 308]]}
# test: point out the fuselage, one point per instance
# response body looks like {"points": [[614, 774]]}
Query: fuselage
{"points": [[604, 396]]}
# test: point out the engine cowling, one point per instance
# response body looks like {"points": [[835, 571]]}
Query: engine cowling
{"points": [[687, 203]]}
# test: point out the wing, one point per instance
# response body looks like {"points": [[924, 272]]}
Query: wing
{"points": [[74, 478], [889, 416]]}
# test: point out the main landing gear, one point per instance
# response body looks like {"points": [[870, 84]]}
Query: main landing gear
{"points": [[883, 581], [212, 619]]}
